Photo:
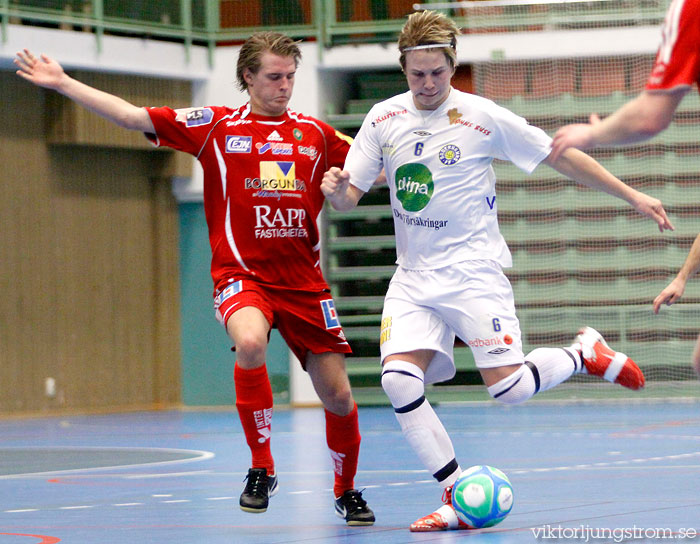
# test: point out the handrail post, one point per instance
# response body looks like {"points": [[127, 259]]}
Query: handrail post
{"points": [[186, 21], [98, 14], [212, 23], [5, 5], [320, 15]]}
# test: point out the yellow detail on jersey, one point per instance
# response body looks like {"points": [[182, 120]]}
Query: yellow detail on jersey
{"points": [[454, 116], [345, 137], [278, 176]]}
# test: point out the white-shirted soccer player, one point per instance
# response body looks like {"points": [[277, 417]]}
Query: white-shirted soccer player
{"points": [[436, 145]]}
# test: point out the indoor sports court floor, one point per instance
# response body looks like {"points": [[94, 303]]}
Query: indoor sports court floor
{"points": [[174, 477]]}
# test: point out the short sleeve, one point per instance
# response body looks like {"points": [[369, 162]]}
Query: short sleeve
{"points": [[183, 129], [524, 145], [364, 161]]}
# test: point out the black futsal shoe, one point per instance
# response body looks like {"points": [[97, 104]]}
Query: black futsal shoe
{"points": [[353, 508], [258, 490]]}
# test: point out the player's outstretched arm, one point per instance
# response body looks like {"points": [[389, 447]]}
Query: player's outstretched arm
{"points": [[338, 190], [639, 119], [586, 170], [46, 72], [674, 290]]}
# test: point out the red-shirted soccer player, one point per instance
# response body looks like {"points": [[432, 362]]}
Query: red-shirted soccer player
{"points": [[676, 69], [262, 165]]}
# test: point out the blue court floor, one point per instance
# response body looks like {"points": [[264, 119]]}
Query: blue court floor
{"points": [[596, 472]]}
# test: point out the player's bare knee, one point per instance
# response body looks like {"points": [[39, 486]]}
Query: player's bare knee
{"points": [[338, 400], [251, 349], [515, 388]]}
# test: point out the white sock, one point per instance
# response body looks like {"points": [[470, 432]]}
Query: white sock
{"points": [[403, 384], [552, 366], [516, 388]]}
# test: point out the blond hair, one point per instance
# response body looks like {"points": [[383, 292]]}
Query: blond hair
{"points": [[429, 28], [250, 56]]}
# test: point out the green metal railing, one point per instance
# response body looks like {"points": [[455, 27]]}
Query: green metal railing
{"points": [[330, 22]]}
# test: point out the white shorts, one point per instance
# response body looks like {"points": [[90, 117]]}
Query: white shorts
{"points": [[425, 309]]}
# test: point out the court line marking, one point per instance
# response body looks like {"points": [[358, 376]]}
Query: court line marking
{"points": [[633, 464], [201, 455]]}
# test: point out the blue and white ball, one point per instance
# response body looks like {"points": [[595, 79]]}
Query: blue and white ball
{"points": [[482, 496]]}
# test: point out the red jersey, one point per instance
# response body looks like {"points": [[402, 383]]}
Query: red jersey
{"points": [[262, 195], [678, 58]]}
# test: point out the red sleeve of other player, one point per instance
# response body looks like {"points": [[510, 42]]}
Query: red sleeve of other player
{"points": [[677, 61]]}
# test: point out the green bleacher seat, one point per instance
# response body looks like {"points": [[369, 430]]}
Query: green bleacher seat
{"points": [[344, 243], [361, 106], [524, 196], [345, 303], [363, 213], [517, 227], [620, 164], [380, 85], [363, 367], [360, 273], [569, 105], [615, 256], [570, 291]]}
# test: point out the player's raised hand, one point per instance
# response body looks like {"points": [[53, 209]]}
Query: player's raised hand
{"points": [[42, 71], [579, 136], [671, 293]]}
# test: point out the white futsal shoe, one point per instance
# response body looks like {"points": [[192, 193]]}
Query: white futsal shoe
{"points": [[443, 519]]}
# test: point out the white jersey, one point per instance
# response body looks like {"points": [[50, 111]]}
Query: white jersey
{"points": [[438, 167]]}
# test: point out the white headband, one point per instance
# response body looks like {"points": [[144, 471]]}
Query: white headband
{"points": [[426, 46]]}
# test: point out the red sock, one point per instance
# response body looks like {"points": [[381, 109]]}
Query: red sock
{"points": [[343, 438], [254, 404]]}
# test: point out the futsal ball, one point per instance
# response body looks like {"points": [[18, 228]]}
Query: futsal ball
{"points": [[482, 496]]}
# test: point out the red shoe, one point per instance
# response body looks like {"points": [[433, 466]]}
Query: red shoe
{"points": [[610, 365], [443, 519]]}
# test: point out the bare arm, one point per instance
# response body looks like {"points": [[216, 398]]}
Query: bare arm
{"points": [[639, 119], [342, 194], [674, 290], [584, 169], [46, 72]]}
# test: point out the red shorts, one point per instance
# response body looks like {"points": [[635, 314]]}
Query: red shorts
{"points": [[307, 320]]}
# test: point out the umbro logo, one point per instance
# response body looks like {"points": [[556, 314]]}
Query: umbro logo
{"points": [[275, 137]]}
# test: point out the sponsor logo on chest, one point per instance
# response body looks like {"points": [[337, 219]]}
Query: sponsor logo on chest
{"points": [[280, 222], [238, 144], [276, 176]]}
